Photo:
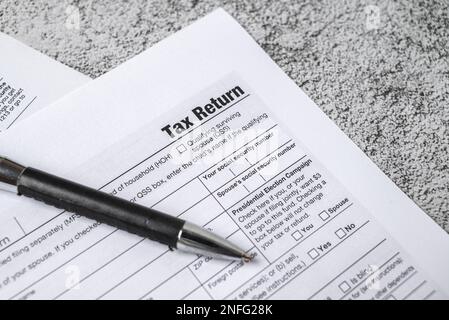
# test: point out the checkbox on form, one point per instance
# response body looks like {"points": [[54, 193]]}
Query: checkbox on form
{"points": [[323, 215], [313, 254], [344, 286], [181, 148], [297, 235], [340, 233]]}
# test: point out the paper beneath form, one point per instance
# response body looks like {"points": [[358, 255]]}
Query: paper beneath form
{"points": [[205, 126], [30, 81]]}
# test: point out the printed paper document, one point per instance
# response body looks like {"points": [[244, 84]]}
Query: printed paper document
{"points": [[205, 126], [30, 81]]}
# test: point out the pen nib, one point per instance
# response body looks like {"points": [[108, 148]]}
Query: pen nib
{"points": [[199, 240], [246, 257]]}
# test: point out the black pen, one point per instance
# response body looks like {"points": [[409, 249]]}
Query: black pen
{"points": [[122, 214]]}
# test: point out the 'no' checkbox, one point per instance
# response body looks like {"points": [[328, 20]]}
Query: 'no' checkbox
{"points": [[340, 233], [181, 148]]}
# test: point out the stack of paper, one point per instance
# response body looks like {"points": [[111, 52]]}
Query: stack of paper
{"points": [[205, 126]]}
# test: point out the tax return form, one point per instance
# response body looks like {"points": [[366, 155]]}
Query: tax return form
{"points": [[205, 126], [30, 81]]}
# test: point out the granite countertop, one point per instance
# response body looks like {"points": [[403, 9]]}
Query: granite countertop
{"points": [[379, 69]]}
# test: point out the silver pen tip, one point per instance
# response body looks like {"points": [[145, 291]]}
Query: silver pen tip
{"points": [[195, 239], [246, 257]]}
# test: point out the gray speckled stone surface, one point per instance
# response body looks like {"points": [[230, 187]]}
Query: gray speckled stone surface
{"points": [[379, 69]]}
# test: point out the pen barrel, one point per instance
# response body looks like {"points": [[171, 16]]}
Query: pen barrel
{"points": [[9, 173], [100, 206]]}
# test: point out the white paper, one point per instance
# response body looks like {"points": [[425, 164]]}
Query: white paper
{"points": [[30, 81], [340, 228]]}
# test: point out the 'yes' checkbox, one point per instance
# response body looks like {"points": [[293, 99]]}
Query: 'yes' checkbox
{"points": [[313, 254]]}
